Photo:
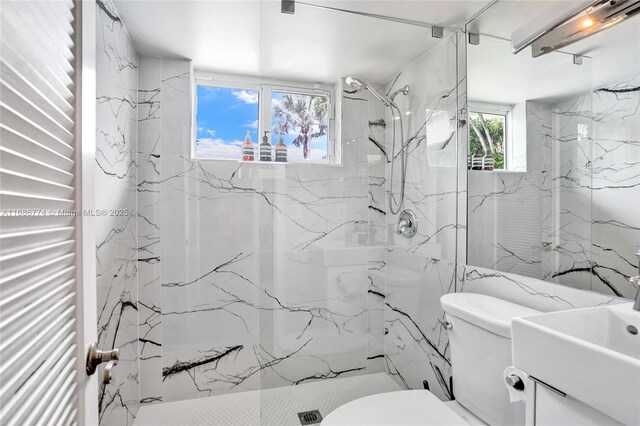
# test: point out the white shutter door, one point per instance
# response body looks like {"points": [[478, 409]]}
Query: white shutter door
{"points": [[38, 353]]}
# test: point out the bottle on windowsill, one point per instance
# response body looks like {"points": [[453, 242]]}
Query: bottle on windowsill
{"points": [[281, 151], [265, 148], [247, 148], [487, 162]]}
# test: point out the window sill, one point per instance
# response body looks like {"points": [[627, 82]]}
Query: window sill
{"points": [[498, 171], [268, 163]]}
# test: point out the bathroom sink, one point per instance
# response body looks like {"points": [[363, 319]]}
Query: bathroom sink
{"points": [[592, 355]]}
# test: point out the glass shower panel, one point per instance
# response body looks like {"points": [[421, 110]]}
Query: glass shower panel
{"points": [[419, 269], [325, 227], [569, 148], [314, 325], [199, 222], [328, 245]]}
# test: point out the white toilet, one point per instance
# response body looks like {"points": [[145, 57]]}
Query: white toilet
{"points": [[480, 339]]}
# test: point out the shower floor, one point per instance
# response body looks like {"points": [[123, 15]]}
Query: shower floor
{"points": [[278, 406]]}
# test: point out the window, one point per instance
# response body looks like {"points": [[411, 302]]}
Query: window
{"points": [[302, 121], [487, 140], [224, 117], [231, 120]]}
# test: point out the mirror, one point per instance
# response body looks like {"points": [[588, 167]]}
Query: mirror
{"points": [[554, 155]]}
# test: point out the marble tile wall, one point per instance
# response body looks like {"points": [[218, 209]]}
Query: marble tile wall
{"points": [[530, 292], [251, 275], [601, 189], [421, 269], [149, 244], [116, 232], [582, 160]]}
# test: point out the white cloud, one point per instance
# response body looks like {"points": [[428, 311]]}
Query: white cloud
{"points": [[218, 149], [209, 93], [246, 96], [252, 124], [211, 132]]}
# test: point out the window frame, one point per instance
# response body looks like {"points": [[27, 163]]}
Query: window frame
{"points": [[497, 109], [265, 89]]}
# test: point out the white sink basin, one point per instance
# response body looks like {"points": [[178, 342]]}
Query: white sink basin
{"points": [[590, 354]]}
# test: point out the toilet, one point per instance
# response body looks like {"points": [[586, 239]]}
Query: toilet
{"points": [[480, 340]]}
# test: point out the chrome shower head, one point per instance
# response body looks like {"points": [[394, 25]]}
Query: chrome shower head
{"points": [[355, 82], [358, 84], [404, 90]]}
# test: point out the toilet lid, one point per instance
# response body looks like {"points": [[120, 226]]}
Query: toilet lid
{"points": [[414, 407]]}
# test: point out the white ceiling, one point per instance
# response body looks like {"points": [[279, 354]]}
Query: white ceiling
{"points": [[254, 38], [316, 45]]}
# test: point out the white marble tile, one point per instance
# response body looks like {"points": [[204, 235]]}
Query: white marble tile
{"points": [[287, 362], [414, 319], [209, 301], [118, 328], [308, 299], [116, 231], [207, 372], [420, 269], [581, 157], [530, 292]]}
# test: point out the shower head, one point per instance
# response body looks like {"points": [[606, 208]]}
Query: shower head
{"points": [[404, 90], [355, 82], [358, 84]]}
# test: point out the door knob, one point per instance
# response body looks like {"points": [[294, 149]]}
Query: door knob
{"points": [[96, 357]]}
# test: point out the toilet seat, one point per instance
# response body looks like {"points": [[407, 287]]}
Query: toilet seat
{"points": [[412, 407]]}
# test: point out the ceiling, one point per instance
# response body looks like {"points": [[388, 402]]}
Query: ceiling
{"points": [[315, 45], [318, 45]]}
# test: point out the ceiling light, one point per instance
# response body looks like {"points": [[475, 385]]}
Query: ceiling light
{"points": [[573, 26], [587, 22]]}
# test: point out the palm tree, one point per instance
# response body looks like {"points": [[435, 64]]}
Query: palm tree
{"points": [[301, 114]]}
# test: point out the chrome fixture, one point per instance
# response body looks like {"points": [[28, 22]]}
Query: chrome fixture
{"points": [[514, 381], [575, 25], [404, 90], [96, 357], [437, 32], [372, 15], [359, 84], [474, 39], [636, 280], [288, 6], [407, 224]]}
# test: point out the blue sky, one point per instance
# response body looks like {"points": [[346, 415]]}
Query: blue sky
{"points": [[224, 116]]}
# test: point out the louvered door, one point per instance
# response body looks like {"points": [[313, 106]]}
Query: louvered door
{"points": [[41, 331]]}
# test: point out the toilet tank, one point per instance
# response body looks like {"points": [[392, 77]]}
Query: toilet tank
{"points": [[480, 341]]}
